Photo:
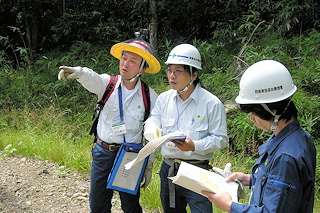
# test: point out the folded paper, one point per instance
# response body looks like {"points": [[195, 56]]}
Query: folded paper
{"points": [[152, 146], [197, 179]]}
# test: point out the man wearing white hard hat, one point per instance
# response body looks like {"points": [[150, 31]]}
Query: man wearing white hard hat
{"points": [[125, 108], [283, 177], [200, 115]]}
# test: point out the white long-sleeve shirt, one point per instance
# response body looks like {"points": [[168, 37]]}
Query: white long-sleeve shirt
{"points": [[133, 107], [201, 117]]}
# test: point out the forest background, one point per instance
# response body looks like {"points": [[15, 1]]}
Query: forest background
{"points": [[50, 119]]}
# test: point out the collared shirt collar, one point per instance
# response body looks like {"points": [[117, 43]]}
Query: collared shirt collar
{"points": [[120, 83], [273, 142], [194, 95]]}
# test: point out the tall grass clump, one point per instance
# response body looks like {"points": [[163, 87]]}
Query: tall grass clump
{"points": [[150, 197], [47, 134]]}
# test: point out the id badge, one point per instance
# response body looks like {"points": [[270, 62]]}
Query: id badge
{"points": [[119, 128]]}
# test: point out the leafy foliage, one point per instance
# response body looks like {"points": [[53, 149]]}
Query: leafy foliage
{"points": [[8, 151], [220, 75], [40, 26], [231, 35]]}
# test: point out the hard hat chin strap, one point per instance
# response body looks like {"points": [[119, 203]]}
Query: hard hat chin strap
{"points": [[187, 87], [275, 120], [276, 117], [139, 73], [132, 79]]}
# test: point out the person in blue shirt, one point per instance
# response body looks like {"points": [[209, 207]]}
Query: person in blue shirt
{"points": [[283, 177]]}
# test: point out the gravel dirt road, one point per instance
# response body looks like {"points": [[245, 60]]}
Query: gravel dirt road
{"points": [[28, 185]]}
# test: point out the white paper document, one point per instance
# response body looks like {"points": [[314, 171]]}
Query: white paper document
{"points": [[127, 178], [124, 180], [197, 179], [152, 146]]}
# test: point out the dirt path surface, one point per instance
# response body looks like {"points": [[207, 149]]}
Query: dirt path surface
{"points": [[28, 185]]}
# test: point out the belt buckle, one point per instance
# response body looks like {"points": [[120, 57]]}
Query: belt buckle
{"points": [[112, 148], [177, 161]]}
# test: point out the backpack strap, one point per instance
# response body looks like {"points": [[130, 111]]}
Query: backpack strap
{"points": [[109, 89], [146, 99]]}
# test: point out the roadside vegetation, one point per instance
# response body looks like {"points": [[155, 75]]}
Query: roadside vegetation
{"points": [[48, 119]]}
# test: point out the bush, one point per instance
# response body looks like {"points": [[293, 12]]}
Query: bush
{"points": [[35, 104]]}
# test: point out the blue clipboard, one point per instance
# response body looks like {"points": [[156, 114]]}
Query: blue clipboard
{"points": [[124, 180]]}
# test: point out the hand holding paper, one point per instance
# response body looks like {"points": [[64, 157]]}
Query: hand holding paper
{"points": [[226, 172], [197, 179], [151, 131], [152, 146]]}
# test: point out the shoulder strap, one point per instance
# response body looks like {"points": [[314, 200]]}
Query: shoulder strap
{"points": [[146, 99], [109, 89]]}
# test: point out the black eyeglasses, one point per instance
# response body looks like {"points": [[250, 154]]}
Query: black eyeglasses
{"points": [[175, 72]]}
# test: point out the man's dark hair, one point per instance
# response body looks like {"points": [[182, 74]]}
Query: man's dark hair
{"points": [[285, 105]]}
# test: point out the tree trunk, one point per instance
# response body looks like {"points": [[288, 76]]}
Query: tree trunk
{"points": [[153, 26], [63, 7], [31, 29], [28, 33]]}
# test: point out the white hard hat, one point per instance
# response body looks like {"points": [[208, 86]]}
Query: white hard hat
{"points": [[185, 54], [266, 81]]}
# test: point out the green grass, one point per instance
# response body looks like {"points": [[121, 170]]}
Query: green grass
{"points": [[51, 134], [150, 197]]}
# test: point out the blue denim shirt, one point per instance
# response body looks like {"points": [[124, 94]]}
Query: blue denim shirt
{"points": [[283, 178]]}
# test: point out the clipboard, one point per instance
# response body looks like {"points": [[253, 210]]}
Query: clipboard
{"points": [[178, 138], [129, 180]]}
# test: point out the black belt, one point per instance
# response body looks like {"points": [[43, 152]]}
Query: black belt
{"points": [[193, 162], [174, 164], [110, 147]]}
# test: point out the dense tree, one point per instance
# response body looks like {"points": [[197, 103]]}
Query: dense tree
{"points": [[33, 26]]}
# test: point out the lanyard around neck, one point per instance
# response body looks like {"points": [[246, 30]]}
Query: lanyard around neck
{"points": [[121, 108], [120, 103], [179, 114]]}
